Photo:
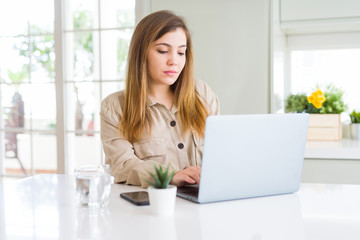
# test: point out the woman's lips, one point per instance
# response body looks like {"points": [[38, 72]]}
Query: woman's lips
{"points": [[170, 73]]}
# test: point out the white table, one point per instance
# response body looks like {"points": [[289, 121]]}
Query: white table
{"points": [[43, 207]]}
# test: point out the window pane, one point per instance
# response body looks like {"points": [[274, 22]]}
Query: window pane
{"points": [[42, 101], [14, 107], [14, 68], [117, 13], [83, 104], [43, 59], [114, 50], [40, 16], [44, 153], [17, 154], [79, 146], [17, 15], [81, 14], [340, 67], [19, 24], [82, 56], [29, 106], [111, 87]]}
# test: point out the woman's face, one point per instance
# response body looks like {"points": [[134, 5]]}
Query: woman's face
{"points": [[166, 58]]}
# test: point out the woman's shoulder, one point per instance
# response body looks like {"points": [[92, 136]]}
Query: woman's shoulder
{"points": [[200, 85], [208, 95], [113, 102], [204, 89]]}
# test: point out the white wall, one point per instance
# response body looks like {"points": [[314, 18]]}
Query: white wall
{"points": [[331, 171], [231, 45], [305, 10], [320, 16]]}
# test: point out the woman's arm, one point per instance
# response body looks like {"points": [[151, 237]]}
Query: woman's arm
{"points": [[120, 154]]}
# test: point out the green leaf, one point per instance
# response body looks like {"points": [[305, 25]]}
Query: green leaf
{"points": [[156, 179], [159, 172], [296, 103], [166, 177], [355, 117], [167, 181]]}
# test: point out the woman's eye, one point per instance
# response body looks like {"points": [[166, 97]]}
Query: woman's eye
{"points": [[181, 53], [162, 52]]}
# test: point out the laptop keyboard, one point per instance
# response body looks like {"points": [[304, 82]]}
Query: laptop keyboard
{"points": [[191, 191]]}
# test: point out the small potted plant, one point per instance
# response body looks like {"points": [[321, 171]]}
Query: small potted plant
{"points": [[355, 125], [162, 196], [324, 108]]}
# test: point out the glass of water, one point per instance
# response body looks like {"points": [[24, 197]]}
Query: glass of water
{"points": [[93, 185]]}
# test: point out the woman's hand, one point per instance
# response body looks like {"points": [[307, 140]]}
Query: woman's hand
{"points": [[190, 175]]}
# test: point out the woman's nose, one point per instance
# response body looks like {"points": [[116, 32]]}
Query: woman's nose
{"points": [[172, 60]]}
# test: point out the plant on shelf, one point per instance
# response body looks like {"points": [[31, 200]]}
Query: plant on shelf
{"points": [[324, 108], [162, 196], [334, 103], [328, 102], [355, 125], [355, 117], [296, 103]]}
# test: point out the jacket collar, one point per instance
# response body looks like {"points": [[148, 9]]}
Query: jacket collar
{"points": [[151, 103]]}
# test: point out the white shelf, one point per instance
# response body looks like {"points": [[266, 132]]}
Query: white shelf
{"points": [[344, 149]]}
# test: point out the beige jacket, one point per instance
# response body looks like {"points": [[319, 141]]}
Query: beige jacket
{"points": [[131, 162]]}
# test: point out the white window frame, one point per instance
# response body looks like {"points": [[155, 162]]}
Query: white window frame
{"points": [[62, 159]]}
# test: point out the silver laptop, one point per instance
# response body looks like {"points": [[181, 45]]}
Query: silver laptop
{"points": [[248, 156]]}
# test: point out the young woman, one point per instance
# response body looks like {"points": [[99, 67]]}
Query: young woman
{"points": [[160, 116]]}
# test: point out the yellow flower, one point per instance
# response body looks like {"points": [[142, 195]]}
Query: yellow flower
{"points": [[317, 98]]}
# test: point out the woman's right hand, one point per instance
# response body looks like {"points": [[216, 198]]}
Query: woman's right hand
{"points": [[190, 175]]}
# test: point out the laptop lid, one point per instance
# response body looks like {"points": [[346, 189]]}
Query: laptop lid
{"points": [[252, 155]]}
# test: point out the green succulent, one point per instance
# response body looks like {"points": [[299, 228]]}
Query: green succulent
{"points": [[355, 117], [161, 177]]}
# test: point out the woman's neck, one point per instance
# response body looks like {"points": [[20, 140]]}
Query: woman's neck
{"points": [[163, 95]]}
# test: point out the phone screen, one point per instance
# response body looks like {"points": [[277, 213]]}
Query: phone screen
{"points": [[139, 198]]}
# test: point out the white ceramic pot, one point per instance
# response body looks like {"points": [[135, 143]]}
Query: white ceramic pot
{"points": [[355, 131], [162, 201]]}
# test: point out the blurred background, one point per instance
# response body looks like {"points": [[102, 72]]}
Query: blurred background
{"points": [[59, 59]]}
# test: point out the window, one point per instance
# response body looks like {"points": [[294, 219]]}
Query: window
{"points": [[96, 36], [27, 83], [339, 67], [317, 60]]}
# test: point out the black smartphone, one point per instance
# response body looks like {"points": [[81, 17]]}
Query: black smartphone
{"points": [[139, 198]]}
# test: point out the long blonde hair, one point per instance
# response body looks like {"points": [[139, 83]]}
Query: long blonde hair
{"points": [[136, 116]]}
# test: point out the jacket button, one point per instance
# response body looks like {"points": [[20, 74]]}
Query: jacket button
{"points": [[172, 123], [180, 146]]}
